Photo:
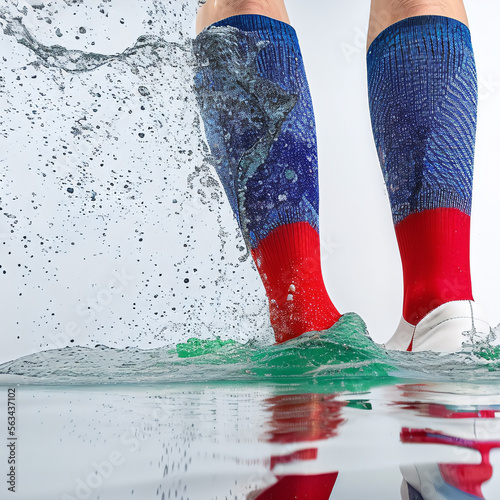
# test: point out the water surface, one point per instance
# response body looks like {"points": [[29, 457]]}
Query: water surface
{"points": [[221, 419]]}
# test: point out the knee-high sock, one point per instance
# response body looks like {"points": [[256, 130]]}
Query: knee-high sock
{"points": [[423, 103], [258, 116]]}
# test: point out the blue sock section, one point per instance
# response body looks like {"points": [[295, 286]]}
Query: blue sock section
{"points": [[422, 87], [259, 122], [413, 494]]}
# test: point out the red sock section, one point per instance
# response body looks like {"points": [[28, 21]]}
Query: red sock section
{"points": [[434, 247], [467, 477], [288, 260], [317, 487]]}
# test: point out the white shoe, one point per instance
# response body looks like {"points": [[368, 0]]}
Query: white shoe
{"points": [[444, 329], [425, 482]]}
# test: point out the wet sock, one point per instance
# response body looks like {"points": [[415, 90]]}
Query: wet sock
{"points": [[259, 121], [423, 102]]}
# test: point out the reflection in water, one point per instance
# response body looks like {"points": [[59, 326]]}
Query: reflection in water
{"points": [[318, 414], [296, 419], [451, 480], [217, 441]]}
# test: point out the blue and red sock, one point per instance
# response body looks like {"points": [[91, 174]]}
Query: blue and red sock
{"points": [[259, 122], [423, 102]]}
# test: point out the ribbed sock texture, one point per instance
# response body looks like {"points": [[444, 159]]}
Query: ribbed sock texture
{"points": [[422, 88], [423, 103], [434, 247], [288, 260], [259, 121]]}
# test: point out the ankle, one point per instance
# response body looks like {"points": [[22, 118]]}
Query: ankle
{"points": [[289, 264], [299, 315], [417, 305]]}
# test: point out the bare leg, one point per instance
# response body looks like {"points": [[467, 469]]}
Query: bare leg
{"points": [[216, 10], [383, 13]]}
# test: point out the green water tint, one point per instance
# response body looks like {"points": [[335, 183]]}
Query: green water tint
{"points": [[198, 347], [347, 341], [492, 355], [344, 349], [343, 358]]}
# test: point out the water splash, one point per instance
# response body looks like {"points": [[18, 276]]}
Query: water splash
{"points": [[341, 358], [105, 173], [228, 84], [148, 51]]}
